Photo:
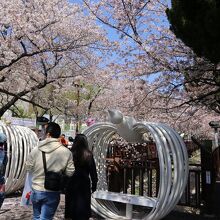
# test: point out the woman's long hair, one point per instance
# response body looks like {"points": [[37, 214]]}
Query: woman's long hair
{"points": [[80, 150]]}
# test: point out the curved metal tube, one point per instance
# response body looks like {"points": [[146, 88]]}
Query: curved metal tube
{"points": [[20, 141], [173, 162]]}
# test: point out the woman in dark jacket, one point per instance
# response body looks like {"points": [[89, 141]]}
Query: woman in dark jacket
{"points": [[79, 188]]}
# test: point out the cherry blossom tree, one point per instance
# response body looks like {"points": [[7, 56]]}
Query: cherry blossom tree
{"points": [[150, 49], [45, 46], [43, 42]]}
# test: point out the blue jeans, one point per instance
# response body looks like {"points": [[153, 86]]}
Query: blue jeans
{"points": [[2, 190], [44, 204], [2, 197]]}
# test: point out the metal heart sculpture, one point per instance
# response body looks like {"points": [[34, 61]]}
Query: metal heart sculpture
{"points": [[20, 141], [173, 164]]}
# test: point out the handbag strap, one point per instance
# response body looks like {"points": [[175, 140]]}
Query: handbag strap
{"points": [[44, 162]]}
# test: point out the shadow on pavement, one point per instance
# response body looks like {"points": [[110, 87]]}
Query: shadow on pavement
{"points": [[177, 215]]}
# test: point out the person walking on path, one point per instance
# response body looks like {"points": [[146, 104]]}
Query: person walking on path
{"points": [[63, 140], [79, 187], [3, 163], [58, 158]]}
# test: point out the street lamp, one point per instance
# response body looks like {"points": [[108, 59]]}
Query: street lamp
{"points": [[78, 86]]}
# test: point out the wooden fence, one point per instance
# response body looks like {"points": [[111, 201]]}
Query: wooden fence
{"points": [[141, 177]]}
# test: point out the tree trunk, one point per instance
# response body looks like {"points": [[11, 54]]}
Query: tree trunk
{"points": [[7, 106]]}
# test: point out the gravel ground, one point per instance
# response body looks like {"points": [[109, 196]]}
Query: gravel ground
{"points": [[11, 210]]}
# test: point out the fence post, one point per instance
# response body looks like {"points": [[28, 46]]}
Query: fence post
{"points": [[141, 181], [132, 180], [208, 177], [125, 180]]}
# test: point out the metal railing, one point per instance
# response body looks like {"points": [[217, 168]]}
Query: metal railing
{"points": [[143, 179]]}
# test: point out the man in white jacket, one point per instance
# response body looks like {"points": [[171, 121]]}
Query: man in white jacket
{"points": [[58, 158]]}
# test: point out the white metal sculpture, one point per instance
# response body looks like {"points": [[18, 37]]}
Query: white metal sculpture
{"points": [[173, 163], [20, 141]]}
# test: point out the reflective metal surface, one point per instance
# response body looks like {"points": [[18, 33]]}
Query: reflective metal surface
{"points": [[173, 162], [20, 141]]}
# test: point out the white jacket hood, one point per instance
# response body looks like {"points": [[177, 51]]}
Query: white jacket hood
{"points": [[49, 144]]}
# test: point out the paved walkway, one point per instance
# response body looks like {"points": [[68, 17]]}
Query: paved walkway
{"points": [[11, 210], [215, 215], [181, 215]]}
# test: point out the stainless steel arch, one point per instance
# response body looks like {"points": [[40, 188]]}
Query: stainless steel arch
{"points": [[20, 141], [173, 162]]}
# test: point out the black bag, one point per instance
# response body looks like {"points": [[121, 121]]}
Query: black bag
{"points": [[53, 180]]}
